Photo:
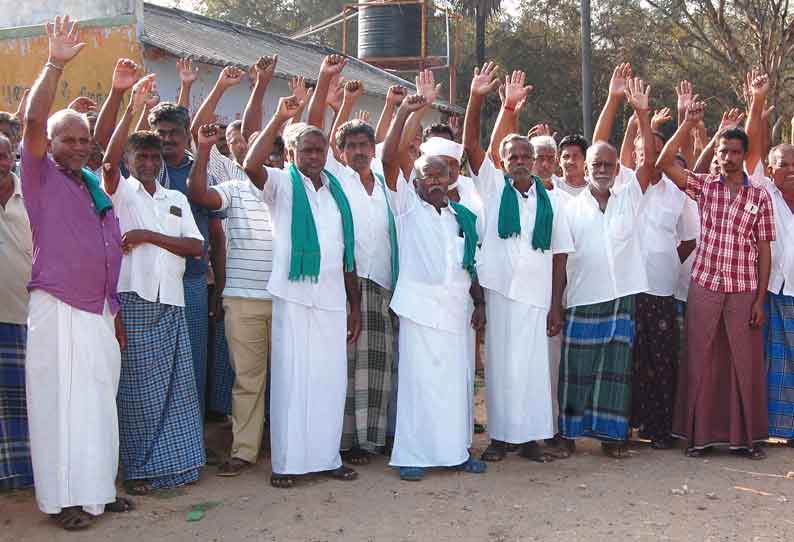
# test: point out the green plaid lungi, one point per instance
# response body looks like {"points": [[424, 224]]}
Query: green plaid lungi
{"points": [[16, 470], [595, 370]]}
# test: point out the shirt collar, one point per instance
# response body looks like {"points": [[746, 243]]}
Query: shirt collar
{"points": [[159, 191], [745, 181]]}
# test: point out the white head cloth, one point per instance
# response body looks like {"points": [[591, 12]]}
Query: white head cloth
{"points": [[438, 146]]}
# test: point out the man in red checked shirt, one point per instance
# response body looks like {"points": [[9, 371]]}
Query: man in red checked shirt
{"points": [[721, 389]]}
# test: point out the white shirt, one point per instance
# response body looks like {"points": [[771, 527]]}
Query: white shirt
{"points": [[433, 287], [370, 222], [16, 252], [607, 263], [666, 220], [573, 191], [328, 291], [781, 275], [511, 266], [249, 240], [152, 272], [470, 198]]}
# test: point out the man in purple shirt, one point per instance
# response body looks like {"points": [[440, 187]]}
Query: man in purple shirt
{"points": [[73, 357]]}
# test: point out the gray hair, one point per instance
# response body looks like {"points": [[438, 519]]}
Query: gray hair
{"points": [[65, 116], [425, 160], [509, 138], [291, 134], [306, 131], [543, 142], [598, 145], [782, 148]]}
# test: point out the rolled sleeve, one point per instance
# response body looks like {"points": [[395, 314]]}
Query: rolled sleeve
{"points": [[695, 183], [224, 190]]}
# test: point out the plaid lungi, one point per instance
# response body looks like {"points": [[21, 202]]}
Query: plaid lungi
{"points": [[16, 470], [197, 317], [779, 347], [160, 425], [595, 370], [369, 371], [222, 374]]}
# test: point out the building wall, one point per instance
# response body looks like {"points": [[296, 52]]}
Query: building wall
{"points": [[34, 12], [90, 74]]}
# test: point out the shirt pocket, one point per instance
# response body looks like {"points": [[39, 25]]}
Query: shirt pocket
{"points": [[621, 226], [665, 219], [743, 223], [172, 225]]}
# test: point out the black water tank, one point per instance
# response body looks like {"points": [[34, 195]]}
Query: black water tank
{"points": [[389, 31]]}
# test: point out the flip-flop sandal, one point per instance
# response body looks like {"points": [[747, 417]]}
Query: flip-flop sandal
{"points": [[73, 518], [494, 452], [282, 481], [472, 466], [346, 474], [412, 474], [696, 453], [232, 467], [535, 453], [120, 505], [615, 451], [138, 487], [356, 456], [756, 453]]}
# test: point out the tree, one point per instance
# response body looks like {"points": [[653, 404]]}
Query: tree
{"points": [[482, 11]]}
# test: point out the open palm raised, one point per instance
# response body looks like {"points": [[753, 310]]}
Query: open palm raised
{"points": [[64, 40]]}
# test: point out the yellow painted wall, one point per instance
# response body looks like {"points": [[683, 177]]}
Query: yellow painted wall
{"points": [[90, 74]]}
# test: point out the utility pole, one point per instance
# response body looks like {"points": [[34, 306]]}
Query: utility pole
{"points": [[587, 72]]}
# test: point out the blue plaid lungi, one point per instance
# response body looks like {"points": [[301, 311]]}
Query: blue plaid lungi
{"points": [[16, 470], [161, 436], [197, 316], [222, 374], [779, 347]]}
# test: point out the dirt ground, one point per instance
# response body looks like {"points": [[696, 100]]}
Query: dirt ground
{"points": [[653, 495]]}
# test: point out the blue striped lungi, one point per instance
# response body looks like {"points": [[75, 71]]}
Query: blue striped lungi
{"points": [[161, 436], [779, 347], [197, 316], [222, 374], [16, 470]]}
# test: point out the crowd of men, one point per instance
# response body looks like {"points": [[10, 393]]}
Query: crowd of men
{"points": [[643, 288]]}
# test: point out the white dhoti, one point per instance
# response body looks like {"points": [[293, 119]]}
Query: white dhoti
{"points": [[72, 371], [308, 387], [433, 397], [517, 386], [555, 353]]}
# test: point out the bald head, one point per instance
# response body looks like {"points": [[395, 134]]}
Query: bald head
{"points": [[70, 139]]}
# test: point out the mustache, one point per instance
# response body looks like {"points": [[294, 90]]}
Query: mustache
{"points": [[435, 188]]}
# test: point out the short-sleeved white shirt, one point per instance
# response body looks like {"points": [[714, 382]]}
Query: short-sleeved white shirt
{"points": [[781, 274], [152, 272]]}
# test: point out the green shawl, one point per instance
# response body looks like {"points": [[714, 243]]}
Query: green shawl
{"points": [[510, 220], [468, 225], [395, 252], [98, 196], [305, 256]]}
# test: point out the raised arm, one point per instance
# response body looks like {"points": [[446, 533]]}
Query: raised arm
{"points": [[427, 88], [197, 190], [507, 121], [627, 147], [483, 83], [125, 74], [666, 160], [638, 95], [229, 77], [64, 45], [263, 144], [730, 119], [353, 91], [151, 101], [115, 150], [394, 97], [303, 93], [684, 97], [331, 67], [263, 71], [391, 146], [187, 76], [758, 85], [617, 90]]}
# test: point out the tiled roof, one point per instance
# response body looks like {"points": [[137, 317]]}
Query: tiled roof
{"points": [[221, 43]]}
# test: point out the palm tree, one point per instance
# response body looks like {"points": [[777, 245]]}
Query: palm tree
{"points": [[481, 10]]}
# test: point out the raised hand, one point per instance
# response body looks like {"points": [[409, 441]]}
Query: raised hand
{"points": [[426, 86], [83, 105], [617, 85], [758, 83], [336, 91], [396, 95], [125, 74], [230, 76], [288, 107], [152, 97], [694, 113], [141, 90], [414, 102], [333, 65], [484, 81], [542, 129], [731, 119], [515, 90], [265, 67], [660, 118], [456, 124], [187, 73], [64, 42], [297, 86], [353, 90], [209, 134], [684, 95], [363, 116], [638, 94]]}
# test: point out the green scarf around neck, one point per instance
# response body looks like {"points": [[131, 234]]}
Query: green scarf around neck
{"points": [[305, 256], [98, 196], [395, 252], [467, 221], [510, 219]]}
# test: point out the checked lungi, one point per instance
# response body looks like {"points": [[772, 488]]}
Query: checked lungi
{"points": [[655, 372], [595, 370], [779, 344], [16, 470], [221, 377], [160, 425], [369, 372], [197, 317]]}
